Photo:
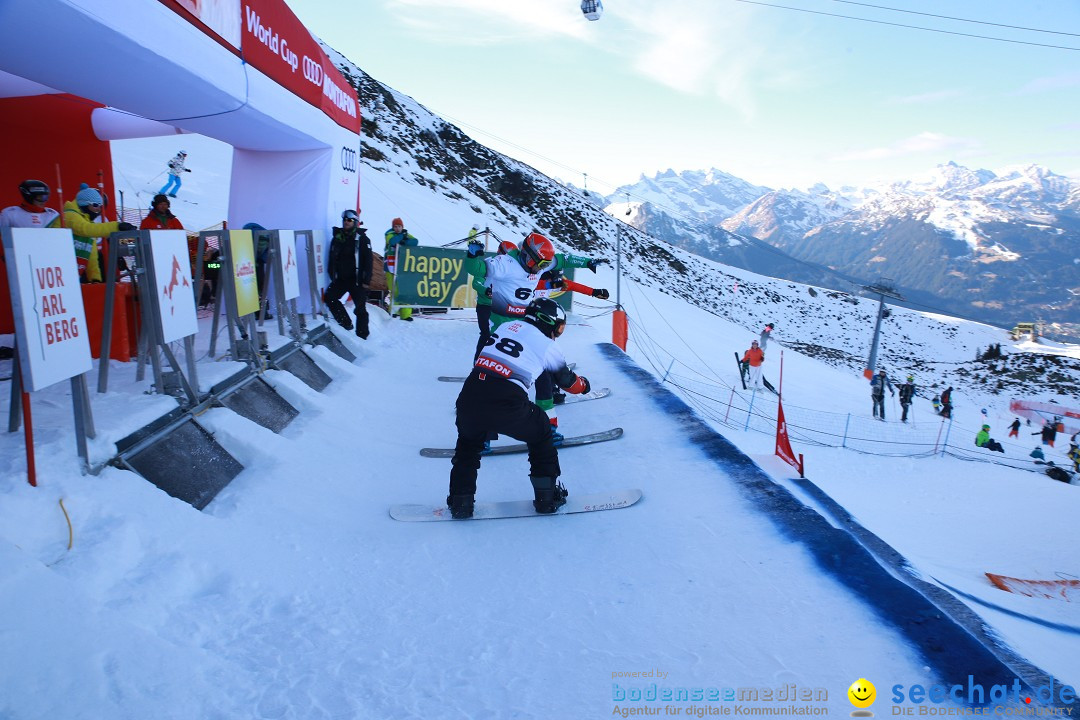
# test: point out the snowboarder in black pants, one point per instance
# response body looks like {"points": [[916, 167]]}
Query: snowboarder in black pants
{"points": [[349, 268], [907, 394], [877, 393], [495, 398]]}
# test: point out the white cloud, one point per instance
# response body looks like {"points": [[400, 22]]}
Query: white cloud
{"points": [[697, 47], [1051, 83], [483, 21], [921, 144], [928, 98], [705, 48]]}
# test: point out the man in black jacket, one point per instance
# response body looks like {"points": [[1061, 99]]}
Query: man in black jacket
{"points": [[349, 268]]}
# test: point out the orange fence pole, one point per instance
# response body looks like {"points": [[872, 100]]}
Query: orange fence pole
{"points": [[619, 329]]}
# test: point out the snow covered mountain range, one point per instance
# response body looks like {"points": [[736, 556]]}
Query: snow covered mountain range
{"points": [[1000, 246], [439, 164]]}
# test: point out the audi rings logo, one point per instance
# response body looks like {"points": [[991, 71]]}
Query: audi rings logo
{"points": [[313, 71], [348, 159]]}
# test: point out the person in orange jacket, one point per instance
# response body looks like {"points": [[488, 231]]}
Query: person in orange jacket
{"points": [[753, 358], [160, 216]]}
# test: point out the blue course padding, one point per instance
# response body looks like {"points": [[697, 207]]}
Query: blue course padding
{"points": [[951, 639]]}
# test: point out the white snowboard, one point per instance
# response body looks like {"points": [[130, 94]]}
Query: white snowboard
{"points": [[612, 500]]}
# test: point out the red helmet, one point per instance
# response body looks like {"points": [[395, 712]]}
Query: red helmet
{"points": [[537, 253], [506, 246]]}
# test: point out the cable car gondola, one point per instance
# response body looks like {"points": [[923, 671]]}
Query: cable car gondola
{"points": [[592, 9]]}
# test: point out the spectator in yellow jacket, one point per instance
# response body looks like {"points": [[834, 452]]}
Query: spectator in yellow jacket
{"points": [[83, 216]]}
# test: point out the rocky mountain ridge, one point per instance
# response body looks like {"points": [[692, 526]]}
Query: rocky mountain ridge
{"points": [[1001, 247], [403, 139]]}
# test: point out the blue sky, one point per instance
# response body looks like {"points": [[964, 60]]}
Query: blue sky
{"points": [[780, 97]]}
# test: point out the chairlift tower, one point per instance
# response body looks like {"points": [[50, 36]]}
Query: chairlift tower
{"points": [[883, 288]]}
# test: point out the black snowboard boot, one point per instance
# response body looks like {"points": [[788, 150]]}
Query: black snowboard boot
{"points": [[342, 317], [461, 506], [549, 494]]}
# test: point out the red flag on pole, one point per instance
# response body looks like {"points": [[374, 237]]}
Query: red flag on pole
{"points": [[783, 443]]}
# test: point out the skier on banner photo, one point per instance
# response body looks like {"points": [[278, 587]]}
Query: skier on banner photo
{"points": [[515, 278], [176, 167], [495, 399]]}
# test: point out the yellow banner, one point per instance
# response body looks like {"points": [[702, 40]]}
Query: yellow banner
{"points": [[242, 249]]}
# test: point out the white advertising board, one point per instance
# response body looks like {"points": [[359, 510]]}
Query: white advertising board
{"points": [[46, 300], [322, 252], [290, 270], [174, 284]]}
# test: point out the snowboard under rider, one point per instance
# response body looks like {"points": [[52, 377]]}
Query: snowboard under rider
{"points": [[495, 398]]}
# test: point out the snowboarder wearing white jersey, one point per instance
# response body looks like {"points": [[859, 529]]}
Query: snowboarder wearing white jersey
{"points": [[515, 278], [495, 398]]}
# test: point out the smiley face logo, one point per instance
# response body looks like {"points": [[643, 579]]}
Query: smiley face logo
{"points": [[862, 694]]}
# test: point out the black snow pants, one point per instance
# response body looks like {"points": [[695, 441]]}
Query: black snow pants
{"points": [[489, 403], [333, 296]]}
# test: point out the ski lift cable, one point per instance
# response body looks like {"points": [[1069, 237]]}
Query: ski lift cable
{"points": [[910, 27], [958, 19]]}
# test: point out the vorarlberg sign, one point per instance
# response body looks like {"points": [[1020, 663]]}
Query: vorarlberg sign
{"points": [[50, 323], [438, 277]]}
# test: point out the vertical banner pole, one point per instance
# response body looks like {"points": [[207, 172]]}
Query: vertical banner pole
{"points": [[82, 413], [780, 384], [28, 434], [107, 322], [15, 406], [277, 277], [28, 429], [200, 263], [189, 356], [88, 416], [295, 321]]}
